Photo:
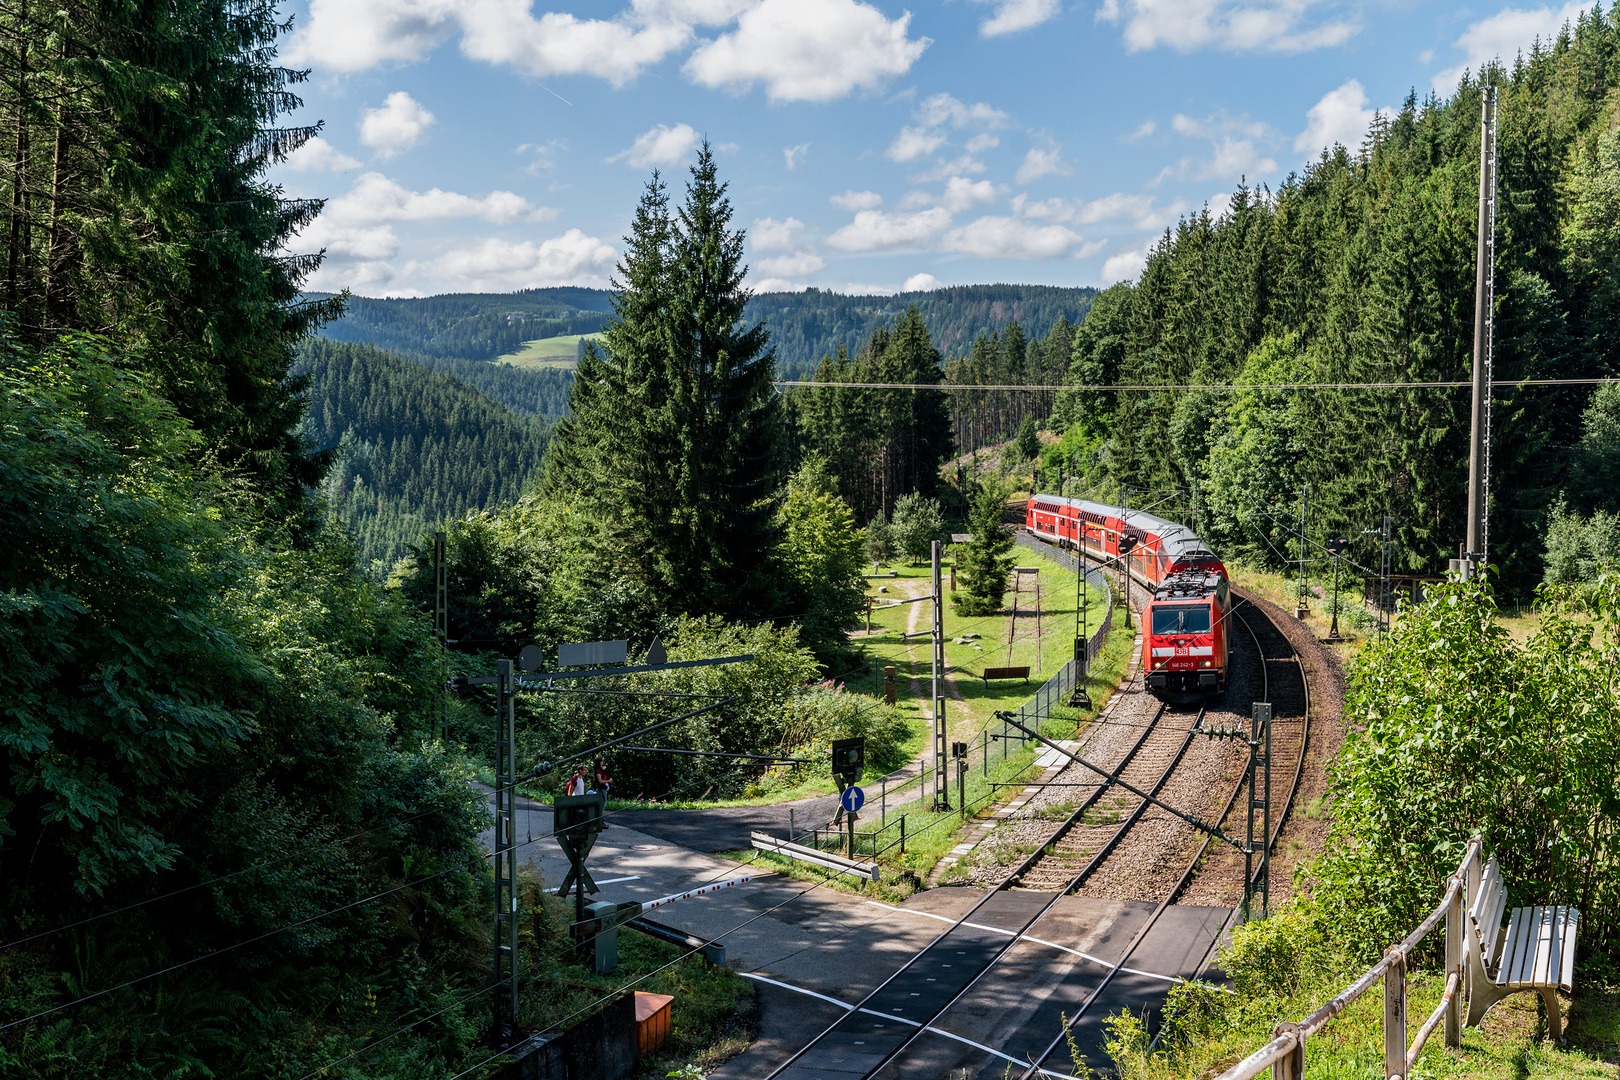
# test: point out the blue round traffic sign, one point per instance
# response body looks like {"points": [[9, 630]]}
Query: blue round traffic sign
{"points": [[853, 799]]}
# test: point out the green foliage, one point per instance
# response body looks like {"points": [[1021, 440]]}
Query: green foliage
{"points": [[1254, 457], [880, 545], [918, 522], [982, 418], [1597, 456], [1580, 549], [1357, 255], [1466, 732], [982, 564], [141, 136], [1028, 444], [189, 695], [673, 442], [414, 447], [821, 554], [807, 326], [470, 326], [883, 444], [1279, 956]]}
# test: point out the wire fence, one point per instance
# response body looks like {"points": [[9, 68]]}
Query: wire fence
{"points": [[1055, 691]]}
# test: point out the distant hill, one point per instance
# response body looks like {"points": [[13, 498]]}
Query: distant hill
{"points": [[415, 445], [805, 326], [470, 326]]}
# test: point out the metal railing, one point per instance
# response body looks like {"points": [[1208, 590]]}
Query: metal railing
{"points": [[1285, 1054]]}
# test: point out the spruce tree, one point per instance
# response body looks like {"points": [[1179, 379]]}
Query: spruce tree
{"points": [[982, 564], [674, 440]]}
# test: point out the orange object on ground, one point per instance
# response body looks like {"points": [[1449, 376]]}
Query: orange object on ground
{"points": [[652, 1021]]}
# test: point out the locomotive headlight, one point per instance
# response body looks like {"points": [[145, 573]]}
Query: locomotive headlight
{"points": [[1209, 663]]}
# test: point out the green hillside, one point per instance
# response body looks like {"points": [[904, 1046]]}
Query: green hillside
{"points": [[805, 326], [414, 446]]}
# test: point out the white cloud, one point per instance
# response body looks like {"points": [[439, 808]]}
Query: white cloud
{"points": [[544, 154], [921, 283], [397, 126], [814, 50], [1504, 35], [776, 284], [856, 200], [1011, 238], [353, 35], [793, 156], [808, 50], [1139, 210], [962, 194], [938, 109], [496, 265], [768, 234], [942, 169], [1234, 141], [659, 146], [1014, 15], [981, 142], [913, 143], [1340, 118], [791, 266], [1143, 130], [1042, 161], [375, 198], [318, 155], [878, 230], [1231, 25], [1123, 267]]}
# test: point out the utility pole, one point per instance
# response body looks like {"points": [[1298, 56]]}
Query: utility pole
{"points": [[1303, 608], [441, 626], [1082, 641], [1125, 563], [504, 1029], [942, 789], [1479, 455]]}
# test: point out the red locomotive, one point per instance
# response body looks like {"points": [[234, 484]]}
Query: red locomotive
{"points": [[1184, 638]]}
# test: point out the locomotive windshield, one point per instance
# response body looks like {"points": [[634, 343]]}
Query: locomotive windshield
{"points": [[1181, 619]]}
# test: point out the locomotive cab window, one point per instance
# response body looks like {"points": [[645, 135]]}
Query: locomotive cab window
{"points": [[1181, 619]]}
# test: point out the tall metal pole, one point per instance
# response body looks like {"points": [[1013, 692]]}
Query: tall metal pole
{"points": [[1125, 563], [505, 851], [441, 626], [942, 788], [1479, 441]]}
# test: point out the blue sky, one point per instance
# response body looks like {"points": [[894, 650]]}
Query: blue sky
{"points": [[492, 145]]}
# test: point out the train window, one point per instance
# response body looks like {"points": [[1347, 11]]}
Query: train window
{"points": [[1181, 619]]}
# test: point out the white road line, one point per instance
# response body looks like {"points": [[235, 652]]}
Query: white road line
{"points": [[1039, 941], [616, 880], [886, 1016]]}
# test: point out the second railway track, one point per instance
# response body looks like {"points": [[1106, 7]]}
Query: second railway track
{"points": [[1076, 856]]}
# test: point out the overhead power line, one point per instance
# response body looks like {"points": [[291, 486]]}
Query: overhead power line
{"points": [[1444, 385]]}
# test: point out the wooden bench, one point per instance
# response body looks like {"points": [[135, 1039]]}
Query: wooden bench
{"points": [[1005, 673], [1535, 951]]}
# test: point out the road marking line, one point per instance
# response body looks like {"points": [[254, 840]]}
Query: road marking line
{"points": [[931, 1030], [1039, 941], [616, 880]]}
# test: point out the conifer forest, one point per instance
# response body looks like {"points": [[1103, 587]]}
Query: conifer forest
{"points": [[242, 818]]}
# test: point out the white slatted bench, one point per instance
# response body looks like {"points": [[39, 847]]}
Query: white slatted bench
{"points": [[1535, 951]]}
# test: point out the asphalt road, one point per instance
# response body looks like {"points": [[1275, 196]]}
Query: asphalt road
{"points": [[814, 953]]}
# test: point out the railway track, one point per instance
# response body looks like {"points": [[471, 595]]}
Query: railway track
{"points": [[876, 1034]]}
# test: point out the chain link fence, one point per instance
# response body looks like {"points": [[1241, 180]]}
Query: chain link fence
{"points": [[1055, 691]]}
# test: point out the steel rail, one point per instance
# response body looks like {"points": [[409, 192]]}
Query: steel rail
{"points": [[1074, 882], [1178, 888]]}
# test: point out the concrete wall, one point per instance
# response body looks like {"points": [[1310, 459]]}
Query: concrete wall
{"points": [[602, 1046]]}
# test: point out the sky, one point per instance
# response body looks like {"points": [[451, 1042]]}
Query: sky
{"points": [[869, 147]]}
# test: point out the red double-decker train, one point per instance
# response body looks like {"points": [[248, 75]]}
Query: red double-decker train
{"points": [[1184, 631]]}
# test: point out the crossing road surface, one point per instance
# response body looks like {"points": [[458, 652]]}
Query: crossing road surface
{"points": [[813, 960]]}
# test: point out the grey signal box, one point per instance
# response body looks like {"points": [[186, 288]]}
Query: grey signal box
{"points": [[849, 759]]}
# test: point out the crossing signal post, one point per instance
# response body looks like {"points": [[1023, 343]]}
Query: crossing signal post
{"points": [[848, 763], [959, 752], [1257, 785], [1336, 549]]}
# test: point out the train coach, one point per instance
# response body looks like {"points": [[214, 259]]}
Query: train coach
{"points": [[1184, 630]]}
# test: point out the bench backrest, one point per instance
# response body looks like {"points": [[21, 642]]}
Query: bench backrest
{"points": [[1487, 909], [1006, 673]]}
